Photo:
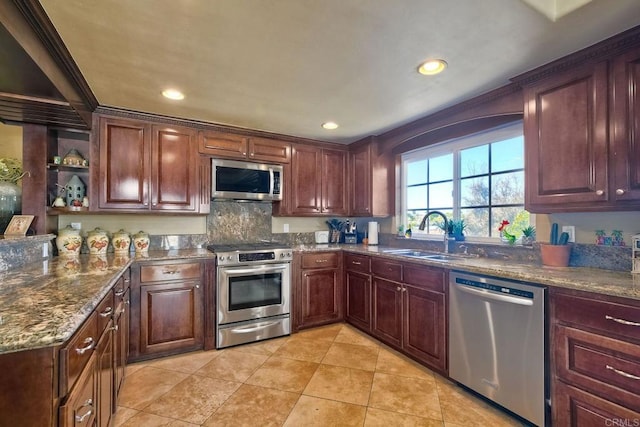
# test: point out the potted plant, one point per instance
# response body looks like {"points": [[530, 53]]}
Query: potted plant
{"points": [[528, 235], [455, 228]]}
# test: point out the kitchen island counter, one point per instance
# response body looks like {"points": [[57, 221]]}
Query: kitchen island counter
{"points": [[44, 303]]}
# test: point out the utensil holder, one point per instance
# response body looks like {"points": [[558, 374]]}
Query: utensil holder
{"points": [[555, 255]]}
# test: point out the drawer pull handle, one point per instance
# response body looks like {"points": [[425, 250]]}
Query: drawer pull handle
{"points": [[319, 261], [115, 328], [89, 345], [169, 271], [623, 373], [107, 312], [119, 293], [356, 263], [624, 322], [81, 418]]}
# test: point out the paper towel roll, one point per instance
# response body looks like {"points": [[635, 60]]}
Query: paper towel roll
{"points": [[373, 232]]}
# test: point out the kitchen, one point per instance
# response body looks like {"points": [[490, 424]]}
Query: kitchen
{"points": [[233, 221]]}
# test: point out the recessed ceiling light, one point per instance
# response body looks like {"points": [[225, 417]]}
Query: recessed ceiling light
{"points": [[173, 94], [432, 66], [330, 125]]}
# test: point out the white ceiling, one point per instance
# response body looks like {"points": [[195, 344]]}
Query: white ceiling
{"points": [[286, 66]]}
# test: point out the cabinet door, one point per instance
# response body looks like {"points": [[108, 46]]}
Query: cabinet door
{"points": [[306, 177], [79, 408], [626, 127], [565, 129], [387, 311], [174, 169], [358, 299], [360, 173], [121, 341], [223, 145], [269, 150], [321, 295], [170, 317], [425, 326], [334, 182], [125, 165], [105, 377]]}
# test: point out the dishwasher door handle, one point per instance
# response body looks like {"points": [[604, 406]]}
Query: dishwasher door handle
{"points": [[494, 296]]}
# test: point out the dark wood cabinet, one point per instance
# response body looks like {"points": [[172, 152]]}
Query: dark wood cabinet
{"points": [[369, 174], [122, 301], [80, 406], [105, 368], [319, 297], [145, 166], [358, 291], [318, 181], [387, 311], [167, 314], [595, 358], [240, 147]]}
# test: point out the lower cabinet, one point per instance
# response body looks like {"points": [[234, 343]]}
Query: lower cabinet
{"points": [[595, 358], [319, 293], [105, 375], [167, 313], [357, 283], [79, 408]]}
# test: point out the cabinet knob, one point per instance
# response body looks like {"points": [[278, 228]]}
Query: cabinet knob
{"points": [[197, 286], [404, 289], [146, 203], [398, 288], [599, 192], [619, 191]]}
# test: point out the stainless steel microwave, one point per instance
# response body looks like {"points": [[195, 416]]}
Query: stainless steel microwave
{"points": [[231, 179]]}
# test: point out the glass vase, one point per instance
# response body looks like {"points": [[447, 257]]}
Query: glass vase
{"points": [[10, 203]]}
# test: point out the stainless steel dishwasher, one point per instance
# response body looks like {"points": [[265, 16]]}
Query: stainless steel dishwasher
{"points": [[497, 342]]}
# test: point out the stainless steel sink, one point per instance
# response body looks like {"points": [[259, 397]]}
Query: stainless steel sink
{"points": [[413, 253]]}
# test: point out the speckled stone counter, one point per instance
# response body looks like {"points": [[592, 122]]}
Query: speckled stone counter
{"points": [[607, 282], [44, 303]]}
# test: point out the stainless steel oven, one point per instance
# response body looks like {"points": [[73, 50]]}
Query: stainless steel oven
{"points": [[253, 293]]}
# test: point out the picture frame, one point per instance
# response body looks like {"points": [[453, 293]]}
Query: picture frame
{"points": [[18, 225]]}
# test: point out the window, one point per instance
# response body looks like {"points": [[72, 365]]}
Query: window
{"points": [[477, 178]]}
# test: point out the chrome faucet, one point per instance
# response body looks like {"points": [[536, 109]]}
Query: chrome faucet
{"points": [[423, 223]]}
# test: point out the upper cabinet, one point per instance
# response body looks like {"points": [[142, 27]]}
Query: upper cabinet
{"points": [[369, 181], [581, 136], [146, 166], [318, 181], [233, 146]]}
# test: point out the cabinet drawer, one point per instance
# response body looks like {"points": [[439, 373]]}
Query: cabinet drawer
{"points": [[605, 366], [359, 263], [321, 260], [155, 273], [75, 355], [105, 312], [424, 277], [387, 269], [610, 318], [81, 404]]}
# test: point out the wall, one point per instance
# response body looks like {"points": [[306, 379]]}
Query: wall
{"points": [[10, 141], [152, 224], [587, 223]]}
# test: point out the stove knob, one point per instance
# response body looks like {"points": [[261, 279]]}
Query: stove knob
{"points": [[229, 257], [221, 259]]}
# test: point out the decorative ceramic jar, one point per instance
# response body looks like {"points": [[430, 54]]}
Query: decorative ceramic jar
{"points": [[121, 242], [98, 241], [141, 242], [69, 241]]}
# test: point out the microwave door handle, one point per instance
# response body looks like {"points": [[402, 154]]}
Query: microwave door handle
{"points": [[271, 182]]}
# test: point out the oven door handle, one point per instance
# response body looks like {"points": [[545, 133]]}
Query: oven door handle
{"points": [[254, 270], [253, 328]]}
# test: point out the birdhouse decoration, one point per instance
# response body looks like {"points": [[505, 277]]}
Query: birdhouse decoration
{"points": [[76, 191], [635, 253]]}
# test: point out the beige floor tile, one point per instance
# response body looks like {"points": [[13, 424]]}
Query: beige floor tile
{"points": [[414, 396], [476, 412], [312, 411], [350, 335], [134, 367], [304, 349], [232, 365], [146, 385], [267, 347], [342, 384], [187, 363], [194, 399], [122, 415], [322, 333], [381, 418], [252, 405], [284, 374], [352, 356], [143, 419], [391, 362]]}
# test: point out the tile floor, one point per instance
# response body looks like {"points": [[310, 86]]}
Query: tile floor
{"points": [[328, 376]]}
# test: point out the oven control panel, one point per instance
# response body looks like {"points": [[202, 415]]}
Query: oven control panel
{"points": [[254, 257]]}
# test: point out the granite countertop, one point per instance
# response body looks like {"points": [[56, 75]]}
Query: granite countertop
{"points": [[44, 303], [606, 282]]}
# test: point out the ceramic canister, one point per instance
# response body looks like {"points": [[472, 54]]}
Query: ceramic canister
{"points": [[98, 241], [121, 242], [141, 242], [68, 241]]}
